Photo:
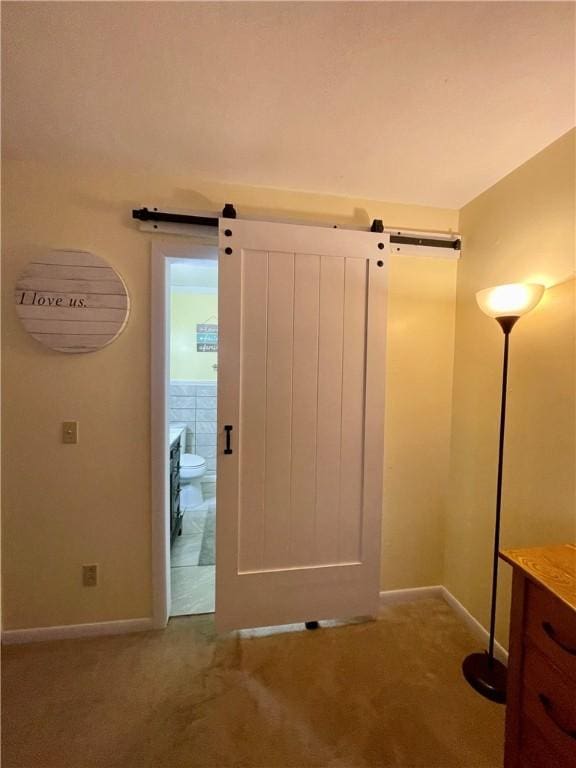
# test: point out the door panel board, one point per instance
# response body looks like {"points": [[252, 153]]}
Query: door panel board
{"points": [[329, 409], [252, 444], [278, 397], [305, 409], [352, 430]]}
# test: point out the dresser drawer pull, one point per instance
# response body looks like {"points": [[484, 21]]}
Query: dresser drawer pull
{"points": [[549, 709], [551, 632]]}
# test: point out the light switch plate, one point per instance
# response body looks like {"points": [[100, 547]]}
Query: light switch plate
{"points": [[70, 432]]}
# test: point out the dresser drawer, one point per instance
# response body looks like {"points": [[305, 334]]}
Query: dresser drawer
{"points": [[549, 702], [551, 626], [536, 752]]}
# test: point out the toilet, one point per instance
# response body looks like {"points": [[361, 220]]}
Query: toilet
{"points": [[192, 468]]}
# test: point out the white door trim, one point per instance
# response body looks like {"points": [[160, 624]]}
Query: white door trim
{"points": [[162, 252], [159, 329]]}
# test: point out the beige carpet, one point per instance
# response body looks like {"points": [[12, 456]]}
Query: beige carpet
{"points": [[381, 693]]}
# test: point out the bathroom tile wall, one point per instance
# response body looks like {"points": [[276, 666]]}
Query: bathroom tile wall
{"points": [[195, 405]]}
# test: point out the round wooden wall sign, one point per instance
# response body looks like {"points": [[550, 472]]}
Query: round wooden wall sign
{"points": [[72, 301]]}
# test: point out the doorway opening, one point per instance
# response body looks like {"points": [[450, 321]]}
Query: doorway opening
{"points": [[192, 309], [301, 319]]}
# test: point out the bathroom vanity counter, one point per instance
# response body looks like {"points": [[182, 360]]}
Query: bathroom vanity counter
{"points": [[175, 434]]}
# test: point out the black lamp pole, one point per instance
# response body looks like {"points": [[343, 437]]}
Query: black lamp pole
{"points": [[486, 674]]}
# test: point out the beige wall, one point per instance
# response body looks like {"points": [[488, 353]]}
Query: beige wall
{"points": [[68, 505], [522, 229], [187, 309], [418, 407]]}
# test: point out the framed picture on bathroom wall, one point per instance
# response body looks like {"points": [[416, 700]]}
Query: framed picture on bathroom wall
{"points": [[207, 337]]}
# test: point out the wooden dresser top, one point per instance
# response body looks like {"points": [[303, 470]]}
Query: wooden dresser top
{"points": [[554, 567]]}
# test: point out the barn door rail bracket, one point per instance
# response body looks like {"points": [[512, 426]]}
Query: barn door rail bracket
{"points": [[154, 214], [412, 238], [429, 242], [205, 226]]}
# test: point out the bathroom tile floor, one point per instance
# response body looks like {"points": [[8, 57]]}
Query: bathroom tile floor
{"points": [[192, 585]]}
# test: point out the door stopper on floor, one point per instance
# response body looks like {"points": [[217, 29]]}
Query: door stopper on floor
{"points": [[311, 625]]}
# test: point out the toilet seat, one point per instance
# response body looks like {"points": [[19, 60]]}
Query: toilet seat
{"points": [[191, 460], [191, 467]]}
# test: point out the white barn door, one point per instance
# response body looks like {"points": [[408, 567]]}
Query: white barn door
{"points": [[302, 315]]}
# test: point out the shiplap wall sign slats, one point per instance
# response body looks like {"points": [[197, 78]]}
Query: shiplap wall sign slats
{"points": [[72, 301]]}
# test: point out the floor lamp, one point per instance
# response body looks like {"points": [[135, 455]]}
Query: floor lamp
{"points": [[506, 304]]}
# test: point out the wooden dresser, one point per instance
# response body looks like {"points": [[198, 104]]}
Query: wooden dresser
{"points": [[541, 697]]}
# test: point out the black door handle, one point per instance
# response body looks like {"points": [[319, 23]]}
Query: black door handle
{"points": [[228, 430]]}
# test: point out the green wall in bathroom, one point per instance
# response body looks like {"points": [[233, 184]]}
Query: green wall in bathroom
{"points": [[187, 310]]}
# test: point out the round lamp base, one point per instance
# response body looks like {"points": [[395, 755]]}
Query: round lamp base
{"points": [[486, 675]]}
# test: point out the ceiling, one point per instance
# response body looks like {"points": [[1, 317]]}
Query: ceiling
{"points": [[427, 103]]}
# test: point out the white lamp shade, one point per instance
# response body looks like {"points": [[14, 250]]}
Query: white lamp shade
{"points": [[511, 300]]}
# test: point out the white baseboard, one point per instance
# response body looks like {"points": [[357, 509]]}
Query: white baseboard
{"points": [[392, 596], [474, 625], [421, 593], [36, 634]]}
